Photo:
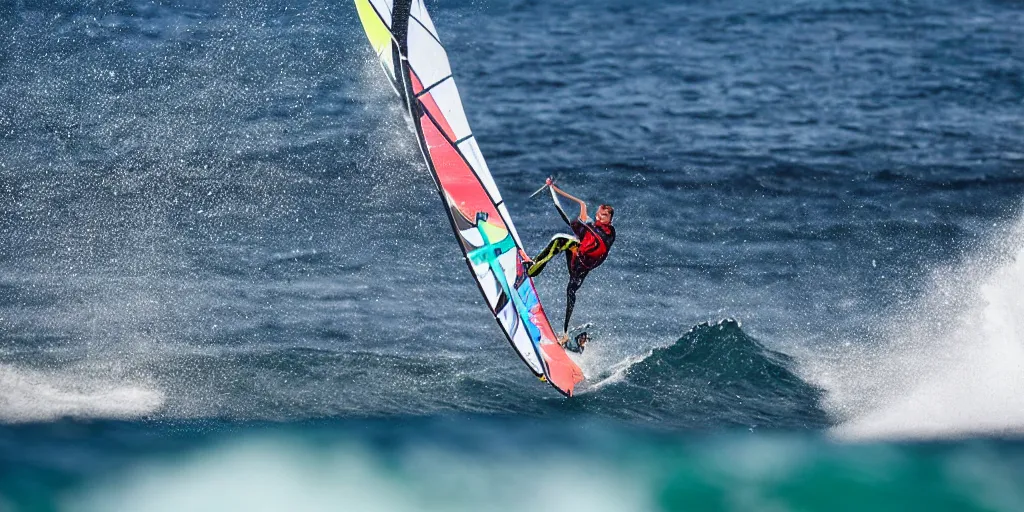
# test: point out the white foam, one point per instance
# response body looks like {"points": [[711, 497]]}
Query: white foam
{"points": [[33, 395], [274, 474], [611, 375], [953, 366]]}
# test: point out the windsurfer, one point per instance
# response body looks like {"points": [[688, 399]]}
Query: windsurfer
{"points": [[584, 250]]}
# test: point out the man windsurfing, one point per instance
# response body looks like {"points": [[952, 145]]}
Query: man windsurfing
{"points": [[584, 250]]}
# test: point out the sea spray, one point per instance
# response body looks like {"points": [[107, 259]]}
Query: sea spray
{"points": [[951, 366], [35, 395]]}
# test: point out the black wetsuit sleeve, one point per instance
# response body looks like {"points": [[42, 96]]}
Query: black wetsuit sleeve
{"points": [[578, 228]]}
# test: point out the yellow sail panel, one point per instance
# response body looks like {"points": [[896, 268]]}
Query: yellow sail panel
{"points": [[378, 33], [493, 232]]}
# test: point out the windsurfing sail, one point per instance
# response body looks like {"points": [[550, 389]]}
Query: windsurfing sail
{"points": [[410, 52]]}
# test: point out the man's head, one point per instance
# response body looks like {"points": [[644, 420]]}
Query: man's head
{"points": [[604, 214]]}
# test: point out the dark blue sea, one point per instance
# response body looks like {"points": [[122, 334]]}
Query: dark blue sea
{"points": [[227, 281]]}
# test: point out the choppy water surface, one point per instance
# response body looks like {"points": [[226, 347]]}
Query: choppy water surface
{"points": [[223, 263]]}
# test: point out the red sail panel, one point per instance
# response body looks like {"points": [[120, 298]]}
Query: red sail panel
{"points": [[457, 178], [562, 372], [428, 103], [417, 87], [541, 321], [427, 100]]}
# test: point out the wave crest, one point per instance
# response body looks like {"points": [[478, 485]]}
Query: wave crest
{"points": [[715, 374]]}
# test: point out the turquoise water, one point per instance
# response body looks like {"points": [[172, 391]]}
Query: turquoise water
{"points": [[455, 463]]}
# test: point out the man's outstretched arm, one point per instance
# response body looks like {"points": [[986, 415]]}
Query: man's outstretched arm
{"points": [[583, 206]]}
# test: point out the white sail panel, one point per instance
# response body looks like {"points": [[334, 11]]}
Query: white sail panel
{"points": [[508, 265], [504, 213], [426, 56], [472, 236], [490, 287], [419, 12], [446, 95]]}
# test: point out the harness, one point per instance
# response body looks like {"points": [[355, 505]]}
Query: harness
{"points": [[595, 240], [594, 243]]}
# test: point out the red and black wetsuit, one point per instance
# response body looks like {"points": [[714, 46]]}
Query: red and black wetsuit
{"points": [[595, 242], [583, 253]]}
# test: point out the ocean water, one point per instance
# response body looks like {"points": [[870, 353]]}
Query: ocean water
{"points": [[226, 281]]}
